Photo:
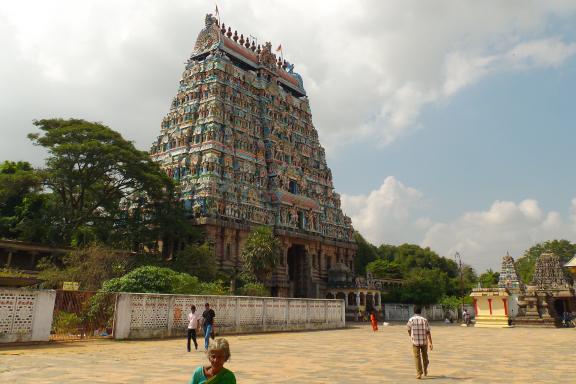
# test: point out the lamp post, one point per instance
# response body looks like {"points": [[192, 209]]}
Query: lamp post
{"points": [[458, 259]]}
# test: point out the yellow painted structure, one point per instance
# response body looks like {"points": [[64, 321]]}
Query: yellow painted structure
{"points": [[571, 266], [491, 306]]}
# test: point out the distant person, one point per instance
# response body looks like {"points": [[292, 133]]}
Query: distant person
{"points": [[193, 326], [466, 317], [207, 323], [373, 321], [419, 331], [215, 373]]}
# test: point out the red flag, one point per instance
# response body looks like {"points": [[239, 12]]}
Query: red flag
{"points": [[279, 49]]}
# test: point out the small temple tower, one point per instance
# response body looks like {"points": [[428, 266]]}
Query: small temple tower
{"points": [[510, 280], [548, 296], [240, 142], [509, 277]]}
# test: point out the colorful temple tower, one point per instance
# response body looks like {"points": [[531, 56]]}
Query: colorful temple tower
{"points": [[509, 277], [240, 141]]}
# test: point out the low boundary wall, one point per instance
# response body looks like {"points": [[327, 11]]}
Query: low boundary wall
{"points": [[140, 316], [25, 315], [403, 312]]}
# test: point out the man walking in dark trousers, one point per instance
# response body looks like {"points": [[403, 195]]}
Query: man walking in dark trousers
{"points": [[208, 321], [193, 326], [419, 331]]}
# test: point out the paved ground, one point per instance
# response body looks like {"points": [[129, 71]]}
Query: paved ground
{"points": [[354, 355]]}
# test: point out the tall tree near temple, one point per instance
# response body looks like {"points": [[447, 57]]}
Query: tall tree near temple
{"points": [[104, 188], [261, 253], [19, 185], [197, 260], [365, 254], [489, 279], [425, 286], [525, 265], [384, 269]]}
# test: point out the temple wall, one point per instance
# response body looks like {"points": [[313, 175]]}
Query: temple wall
{"points": [[141, 316], [403, 312], [229, 239], [25, 315]]}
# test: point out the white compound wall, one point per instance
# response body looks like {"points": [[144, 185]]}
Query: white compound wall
{"points": [[152, 315], [25, 315]]}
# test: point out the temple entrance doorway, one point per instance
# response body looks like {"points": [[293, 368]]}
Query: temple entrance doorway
{"points": [[298, 275], [560, 306]]}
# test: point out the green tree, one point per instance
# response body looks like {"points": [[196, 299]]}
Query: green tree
{"points": [[261, 253], [384, 269], [424, 286], [469, 281], [197, 260], [411, 256], [365, 254], [489, 279], [90, 266], [525, 265], [105, 189], [19, 183], [450, 303]]}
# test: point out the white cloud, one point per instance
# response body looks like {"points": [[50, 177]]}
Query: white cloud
{"points": [[369, 66], [393, 214], [462, 70], [387, 214]]}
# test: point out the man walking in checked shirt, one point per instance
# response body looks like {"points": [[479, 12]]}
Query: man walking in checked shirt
{"points": [[419, 331]]}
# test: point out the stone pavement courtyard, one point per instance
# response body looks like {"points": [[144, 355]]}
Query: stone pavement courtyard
{"points": [[353, 355]]}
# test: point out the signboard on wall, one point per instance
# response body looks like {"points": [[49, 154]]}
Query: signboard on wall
{"points": [[70, 286]]}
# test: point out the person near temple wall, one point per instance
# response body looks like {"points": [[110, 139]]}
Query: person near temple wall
{"points": [[193, 326], [373, 321], [207, 323]]}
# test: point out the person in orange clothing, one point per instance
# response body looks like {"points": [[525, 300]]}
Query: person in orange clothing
{"points": [[373, 321]]}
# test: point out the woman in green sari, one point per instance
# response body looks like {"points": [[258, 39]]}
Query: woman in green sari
{"points": [[215, 373]]}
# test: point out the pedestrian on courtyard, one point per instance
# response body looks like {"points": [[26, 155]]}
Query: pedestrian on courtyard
{"points": [[207, 323], [373, 321], [419, 331], [466, 317], [193, 326], [215, 373]]}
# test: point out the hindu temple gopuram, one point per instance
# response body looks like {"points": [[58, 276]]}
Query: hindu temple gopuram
{"points": [[240, 141]]}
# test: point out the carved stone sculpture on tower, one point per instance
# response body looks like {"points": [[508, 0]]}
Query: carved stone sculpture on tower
{"points": [[548, 273]]}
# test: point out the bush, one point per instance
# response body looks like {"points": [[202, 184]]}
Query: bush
{"points": [[66, 322], [152, 279], [254, 289]]}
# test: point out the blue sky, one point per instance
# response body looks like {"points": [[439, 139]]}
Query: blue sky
{"points": [[510, 137], [448, 124]]}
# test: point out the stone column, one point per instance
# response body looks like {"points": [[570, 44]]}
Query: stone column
{"points": [[9, 261]]}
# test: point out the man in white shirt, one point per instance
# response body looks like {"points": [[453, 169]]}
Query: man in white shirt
{"points": [[419, 331], [193, 326]]}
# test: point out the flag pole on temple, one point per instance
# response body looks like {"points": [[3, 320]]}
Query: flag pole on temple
{"points": [[217, 13], [279, 49]]}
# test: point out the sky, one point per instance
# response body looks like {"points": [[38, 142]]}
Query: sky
{"points": [[448, 124]]}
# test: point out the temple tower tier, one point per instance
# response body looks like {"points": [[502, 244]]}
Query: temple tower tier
{"points": [[240, 142]]}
